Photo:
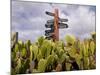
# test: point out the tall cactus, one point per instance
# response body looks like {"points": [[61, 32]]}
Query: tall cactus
{"points": [[42, 65]]}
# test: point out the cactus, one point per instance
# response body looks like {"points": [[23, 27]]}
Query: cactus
{"points": [[68, 66], [16, 48], [47, 56], [40, 41], [42, 65], [39, 56], [24, 66], [63, 58], [86, 63], [49, 48], [31, 53], [18, 67], [35, 51], [23, 52], [93, 34], [92, 47], [70, 39], [50, 59]]}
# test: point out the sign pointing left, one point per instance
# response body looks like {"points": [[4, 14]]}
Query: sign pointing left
{"points": [[49, 13]]}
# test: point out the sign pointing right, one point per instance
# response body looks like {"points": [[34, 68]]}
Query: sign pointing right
{"points": [[62, 25], [63, 20]]}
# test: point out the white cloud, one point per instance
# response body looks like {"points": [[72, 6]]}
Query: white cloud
{"points": [[29, 18], [81, 22]]}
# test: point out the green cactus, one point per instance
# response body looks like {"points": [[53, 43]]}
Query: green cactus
{"points": [[70, 39], [23, 52], [78, 59], [35, 51], [16, 48], [85, 50], [93, 34], [50, 59], [53, 56], [31, 53], [49, 48], [86, 63], [42, 65], [27, 45], [92, 47], [68, 66], [20, 44], [39, 56], [24, 66], [40, 41], [63, 58], [18, 67]]}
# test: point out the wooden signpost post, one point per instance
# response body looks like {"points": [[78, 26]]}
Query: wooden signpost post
{"points": [[54, 24]]}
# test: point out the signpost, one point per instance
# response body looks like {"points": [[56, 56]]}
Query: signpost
{"points": [[50, 21], [54, 25], [50, 14], [63, 20], [62, 25]]}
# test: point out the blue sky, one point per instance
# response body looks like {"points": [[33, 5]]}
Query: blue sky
{"points": [[29, 18]]}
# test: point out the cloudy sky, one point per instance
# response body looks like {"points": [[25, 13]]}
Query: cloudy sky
{"points": [[29, 19]]}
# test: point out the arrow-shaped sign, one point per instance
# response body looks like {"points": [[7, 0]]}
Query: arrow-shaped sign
{"points": [[63, 20], [49, 32], [49, 37], [60, 20], [50, 21], [62, 25], [49, 13], [49, 25]]}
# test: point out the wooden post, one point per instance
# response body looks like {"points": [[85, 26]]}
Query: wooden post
{"points": [[56, 29]]}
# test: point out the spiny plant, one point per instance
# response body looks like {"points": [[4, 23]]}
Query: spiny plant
{"points": [[48, 56]]}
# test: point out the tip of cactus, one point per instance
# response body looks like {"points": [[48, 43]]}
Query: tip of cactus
{"points": [[70, 39]]}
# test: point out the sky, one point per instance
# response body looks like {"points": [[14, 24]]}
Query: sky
{"points": [[29, 19]]}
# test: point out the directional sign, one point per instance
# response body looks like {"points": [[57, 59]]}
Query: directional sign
{"points": [[62, 25], [48, 34], [63, 20], [49, 31], [54, 25], [49, 37], [49, 25], [49, 13], [50, 21], [60, 20]]}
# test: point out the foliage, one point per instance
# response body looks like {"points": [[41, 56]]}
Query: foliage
{"points": [[48, 56]]}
